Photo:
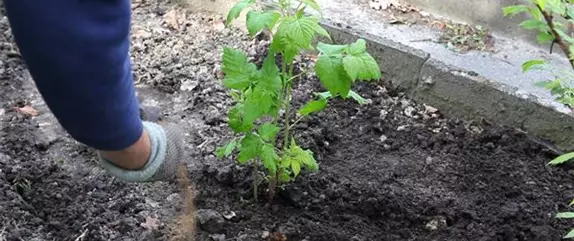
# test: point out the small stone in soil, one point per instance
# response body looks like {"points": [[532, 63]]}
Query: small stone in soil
{"points": [[217, 237], [210, 220]]}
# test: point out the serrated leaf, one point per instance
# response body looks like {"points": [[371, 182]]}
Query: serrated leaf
{"points": [[257, 21], [513, 10], [321, 31], [236, 122], [250, 148], [358, 47], [562, 159], [270, 81], [225, 151], [330, 49], [298, 32], [268, 131], [566, 215], [257, 103], [237, 69], [285, 177], [332, 74], [313, 4], [236, 10], [528, 65], [282, 43], [570, 234], [269, 158], [313, 106], [296, 167], [303, 157], [362, 67]]}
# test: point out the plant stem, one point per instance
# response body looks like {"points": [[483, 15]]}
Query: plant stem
{"points": [[299, 75], [559, 40]]}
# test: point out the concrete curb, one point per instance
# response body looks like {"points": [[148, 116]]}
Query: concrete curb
{"points": [[461, 94]]}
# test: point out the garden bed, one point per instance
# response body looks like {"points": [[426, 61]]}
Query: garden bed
{"points": [[389, 170]]}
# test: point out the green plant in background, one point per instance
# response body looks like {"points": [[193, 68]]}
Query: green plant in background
{"points": [[262, 117], [553, 20]]}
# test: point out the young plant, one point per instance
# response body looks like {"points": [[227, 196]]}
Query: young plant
{"points": [[553, 20], [263, 116]]}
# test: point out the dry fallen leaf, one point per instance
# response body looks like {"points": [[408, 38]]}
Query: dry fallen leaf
{"points": [[28, 110], [151, 223]]}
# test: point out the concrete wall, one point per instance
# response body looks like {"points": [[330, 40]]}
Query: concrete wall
{"points": [[487, 13]]}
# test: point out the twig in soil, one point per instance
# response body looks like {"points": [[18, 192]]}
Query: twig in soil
{"points": [[82, 236]]}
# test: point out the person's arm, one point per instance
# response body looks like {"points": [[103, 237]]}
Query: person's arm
{"points": [[77, 52]]}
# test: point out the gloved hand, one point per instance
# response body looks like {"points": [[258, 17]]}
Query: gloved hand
{"points": [[167, 151]]}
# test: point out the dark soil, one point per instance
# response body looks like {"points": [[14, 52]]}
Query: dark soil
{"points": [[389, 170]]}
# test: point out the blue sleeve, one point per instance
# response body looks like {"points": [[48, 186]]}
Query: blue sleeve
{"points": [[77, 51]]}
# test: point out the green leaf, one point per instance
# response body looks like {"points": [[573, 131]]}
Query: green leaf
{"points": [[528, 65], [302, 157], [313, 106], [268, 131], [571, 202], [361, 67], [299, 32], [296, 168], [544, 37], [357, 97], [562, 159], [257, 21], [238, 71], [285, 177], [257, 103], [225, 151], [332, 74], [324, 95], [541, 3], [531, 24], [570, 234], [543, 83], [236, 122], [566, 215], [513, 10], [236, 10], [321, 31], [250, 148], [313, 4], [330, 49], [359, 47], [269, 158], [566, 37], [282, 43], [270, 81]]}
